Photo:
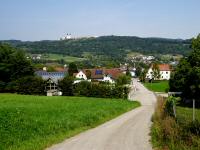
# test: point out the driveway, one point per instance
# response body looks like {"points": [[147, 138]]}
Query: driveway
{"points": [[129, 131]]}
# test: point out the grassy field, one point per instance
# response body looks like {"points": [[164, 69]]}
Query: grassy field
{"points": [[157, 86], [37, 122], [59, 57], [185, 114]]}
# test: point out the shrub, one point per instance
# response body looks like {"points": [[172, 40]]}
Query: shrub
{"points": [[82, 89], [66, 85], [31, 85], [170, 106], [123, 79], [102, 90], [194, 127]]}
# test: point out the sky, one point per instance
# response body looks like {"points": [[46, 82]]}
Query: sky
{"points": [[51, 19]]}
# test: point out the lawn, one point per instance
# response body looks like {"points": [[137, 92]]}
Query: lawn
{"points": [[37, 122], [157, 86], [64, 57], [185, 114]]}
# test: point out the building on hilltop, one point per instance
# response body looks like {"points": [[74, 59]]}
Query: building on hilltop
{"points": [[67, 37]]}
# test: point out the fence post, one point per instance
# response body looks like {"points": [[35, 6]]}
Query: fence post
{"points": [[193, 109], [174, 108]]}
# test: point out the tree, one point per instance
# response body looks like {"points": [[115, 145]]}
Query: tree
{"points": [[186, 77], [66, 85], [138, 71], [156, 71], [72, 69], [82, 89], [13, 65], [30, 85], [88, 74], [142, 76], [123, 79]]}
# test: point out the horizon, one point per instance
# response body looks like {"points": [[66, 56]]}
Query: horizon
{"points": [[96, 37], [50, 20]]}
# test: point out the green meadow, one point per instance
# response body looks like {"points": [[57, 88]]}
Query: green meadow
{"points": [[37, 122], [66, 58], [185, 114], [157, 86]]}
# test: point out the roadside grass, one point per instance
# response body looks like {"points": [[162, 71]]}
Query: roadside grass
{"points": [[169, 133], [69, 59], [157, 86], [185, 114], [37, 122]]}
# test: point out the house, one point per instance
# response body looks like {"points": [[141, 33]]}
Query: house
{"points": [[51, 79], [80, 75], [165, 72], [106, 75], [98, 75], [36, 56]]}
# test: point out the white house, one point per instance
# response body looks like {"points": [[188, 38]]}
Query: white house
{"points": [[165, 72], [107, 78], [80, 75]]}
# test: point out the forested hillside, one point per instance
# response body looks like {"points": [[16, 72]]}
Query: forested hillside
{"points": [[110, 46]]}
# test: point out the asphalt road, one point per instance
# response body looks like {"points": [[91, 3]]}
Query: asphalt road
{"points": [[129, 131]]}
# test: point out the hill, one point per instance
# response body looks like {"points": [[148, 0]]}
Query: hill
{"points": [[109, 46]]}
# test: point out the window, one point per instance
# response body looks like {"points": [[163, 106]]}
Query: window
{"points": [[166, 72]]}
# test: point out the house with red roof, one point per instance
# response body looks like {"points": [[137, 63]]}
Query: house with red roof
{"points": [[165, 72], [99, 74]]}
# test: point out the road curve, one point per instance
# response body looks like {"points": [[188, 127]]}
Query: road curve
{"points": [[129, 131]]}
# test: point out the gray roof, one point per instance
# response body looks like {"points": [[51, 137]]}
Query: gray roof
{"points": [[55, 76]]}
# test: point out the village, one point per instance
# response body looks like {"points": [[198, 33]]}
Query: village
{"points": [[98, 75]]}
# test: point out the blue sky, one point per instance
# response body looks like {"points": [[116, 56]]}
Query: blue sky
{"points": [[52, 19]]}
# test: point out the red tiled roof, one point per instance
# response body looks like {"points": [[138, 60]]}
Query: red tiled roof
{"points": [[164, 67], [60, 69], [93, 73], [114, 73]]}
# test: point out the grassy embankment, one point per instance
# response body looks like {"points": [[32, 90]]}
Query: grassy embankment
{"points": [[37, 122], [157, 86], [181, 133]]}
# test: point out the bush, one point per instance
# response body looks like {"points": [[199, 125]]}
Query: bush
{"points": [[194, 127], [82, 89], [170, 105], [30, 85], [123, 79], [66, 85], [102, 90]]}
